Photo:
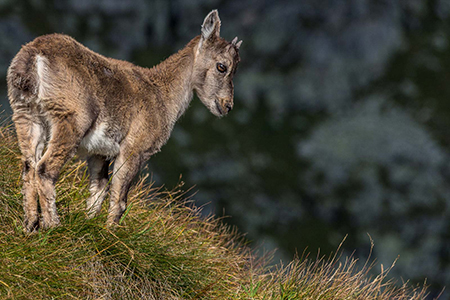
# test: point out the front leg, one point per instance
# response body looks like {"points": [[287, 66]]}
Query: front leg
{"points": [[126, 166]]}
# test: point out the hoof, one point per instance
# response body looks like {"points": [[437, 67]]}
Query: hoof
{"points": [[31, 226], [50, 224]]}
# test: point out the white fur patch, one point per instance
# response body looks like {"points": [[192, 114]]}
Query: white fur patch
{"points": [[44, 85], [37, 136], [96, 142]]}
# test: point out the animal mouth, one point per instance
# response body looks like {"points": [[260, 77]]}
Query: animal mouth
{"points": [[219, 109]]}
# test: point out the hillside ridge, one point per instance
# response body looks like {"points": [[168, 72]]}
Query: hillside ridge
{"points": [[162, 249]]}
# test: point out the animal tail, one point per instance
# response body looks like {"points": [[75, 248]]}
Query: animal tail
{"points": [[22, 76]]}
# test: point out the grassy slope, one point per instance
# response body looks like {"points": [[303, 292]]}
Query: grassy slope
{"points": [[162, 249]]}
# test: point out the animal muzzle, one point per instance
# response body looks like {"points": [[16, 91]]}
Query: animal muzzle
{"points": [[225, 105]]}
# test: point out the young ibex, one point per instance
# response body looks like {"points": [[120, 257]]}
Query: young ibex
{"points": [[66, 98]]}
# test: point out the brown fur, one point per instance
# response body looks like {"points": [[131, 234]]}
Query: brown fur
{"points": [[67, 98]]}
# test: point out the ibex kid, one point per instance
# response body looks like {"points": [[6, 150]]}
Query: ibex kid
{"points": [[67, 99]]}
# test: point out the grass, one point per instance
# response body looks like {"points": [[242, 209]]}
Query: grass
{"points": [[163, 249]]}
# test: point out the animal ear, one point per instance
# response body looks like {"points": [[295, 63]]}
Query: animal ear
{"points": [[211, 25]]}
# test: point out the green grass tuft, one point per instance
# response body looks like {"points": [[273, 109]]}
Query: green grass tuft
{"points": [[162, 249]]}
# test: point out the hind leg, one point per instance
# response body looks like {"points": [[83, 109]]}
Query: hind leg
{"points": [[31, 136], [61, 147], [98, 172]]}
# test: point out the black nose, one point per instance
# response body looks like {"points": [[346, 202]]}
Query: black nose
{"points": [[228, 106]]}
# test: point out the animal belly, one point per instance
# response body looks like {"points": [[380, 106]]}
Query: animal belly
{"points": [[97, 142]]}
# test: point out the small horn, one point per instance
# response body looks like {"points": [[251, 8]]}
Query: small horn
{"points": [[234, 40], [238, 44]]}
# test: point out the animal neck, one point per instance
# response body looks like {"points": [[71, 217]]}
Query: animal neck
{"points": [[175, 78]]}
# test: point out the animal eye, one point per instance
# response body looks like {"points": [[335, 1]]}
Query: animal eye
{"points": [[221, 68]]}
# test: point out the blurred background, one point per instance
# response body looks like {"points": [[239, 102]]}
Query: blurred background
{"points": [[340, 126]]}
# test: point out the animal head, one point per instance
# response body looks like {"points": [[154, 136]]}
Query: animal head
{"points": [[215, 64]]}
